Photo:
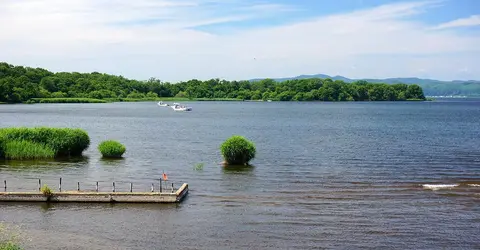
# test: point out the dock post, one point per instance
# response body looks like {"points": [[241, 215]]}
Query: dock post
{"points": [[39, 185], [5, 185], [78, 186], [172, 187], [152, 187], [96, 186], [114, 187], [131, 187], [160, 185], [60, 185]]}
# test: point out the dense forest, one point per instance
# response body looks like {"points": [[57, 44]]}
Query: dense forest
{"points": [[20, 84]]}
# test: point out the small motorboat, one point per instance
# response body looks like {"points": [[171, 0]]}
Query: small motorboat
{"points": [[161, 104], [179, 107]]}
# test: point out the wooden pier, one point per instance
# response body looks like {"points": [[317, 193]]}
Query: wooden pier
{"points": [[162, 196]]}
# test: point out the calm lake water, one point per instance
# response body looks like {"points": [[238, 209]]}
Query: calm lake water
{"points": [[326, 175]]}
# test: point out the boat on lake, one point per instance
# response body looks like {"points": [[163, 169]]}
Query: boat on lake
{"points": [[178, 107], [161, 104]]}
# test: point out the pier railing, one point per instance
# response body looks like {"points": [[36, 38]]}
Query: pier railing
{"points": [[157, 185]]}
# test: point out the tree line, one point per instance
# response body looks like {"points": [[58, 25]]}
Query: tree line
{"points": [[19, 84]]}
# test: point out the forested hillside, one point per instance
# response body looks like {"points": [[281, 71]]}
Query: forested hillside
{"points": [[430, 87], [19, 84]]}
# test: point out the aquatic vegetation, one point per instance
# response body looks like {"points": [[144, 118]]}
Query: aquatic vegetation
{"points": [[237, 150], [38, 142], [8, 238], [111, 149], [198, 166], [24, 150], [46, 191], [9, 246]]}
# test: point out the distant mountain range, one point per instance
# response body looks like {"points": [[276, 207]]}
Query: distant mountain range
{"points": [[430, 87]]}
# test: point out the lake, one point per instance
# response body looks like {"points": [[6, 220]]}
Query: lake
{"points": [[326, 175]]}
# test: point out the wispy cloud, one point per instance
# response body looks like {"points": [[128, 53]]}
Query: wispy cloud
{"points": [[161, 38], [462, 22], [272, 7]]}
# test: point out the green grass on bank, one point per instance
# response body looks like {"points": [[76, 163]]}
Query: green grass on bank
{"points": [[107, 100], [65, 100], [164, 99], [9, 238], [168, 99], [9, 246], [417, 100]]}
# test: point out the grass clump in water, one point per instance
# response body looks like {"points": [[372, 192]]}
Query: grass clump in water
{"points": [[111, 149], [198, 166], [26, 150], [38, 142], [237, 150]]}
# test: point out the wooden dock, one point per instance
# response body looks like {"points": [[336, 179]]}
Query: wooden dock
{"points": [[97, 197]]}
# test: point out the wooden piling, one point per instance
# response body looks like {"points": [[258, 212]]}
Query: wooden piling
{"points": [[60, 185], [78, 186], [113, 187], [152, 187], [5, 185], [96, 186], [131, 187], [39, 185]]}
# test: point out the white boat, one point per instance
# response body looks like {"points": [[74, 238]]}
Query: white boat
{"points": [[178, 107], [161, 104]]}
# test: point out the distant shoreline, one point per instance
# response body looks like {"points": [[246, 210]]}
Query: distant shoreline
{"points": [[20, 84], [175, 99]]}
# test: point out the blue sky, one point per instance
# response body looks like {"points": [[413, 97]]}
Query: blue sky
{"points": [[176, 40]]}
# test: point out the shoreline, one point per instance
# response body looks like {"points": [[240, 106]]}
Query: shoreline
{"points": [[174, 99]]}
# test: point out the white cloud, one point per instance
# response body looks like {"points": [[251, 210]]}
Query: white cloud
{"points": [[145, 38], [462, 22]]}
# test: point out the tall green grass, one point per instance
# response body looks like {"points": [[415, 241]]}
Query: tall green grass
{"points": [[9, 246], [25, 150], [168, 99], [9, 238], [106, 100], [111, 149], [38, 142], [65, 100], [237, 150]]}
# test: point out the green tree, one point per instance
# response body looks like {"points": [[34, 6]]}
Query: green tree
{"points": [[414, 92], [151, 95]]}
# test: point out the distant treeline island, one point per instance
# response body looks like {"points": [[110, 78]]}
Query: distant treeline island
{"points": [[35, 85]]}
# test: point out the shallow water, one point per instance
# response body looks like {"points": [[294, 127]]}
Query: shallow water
{"points": [[326, 175]]}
